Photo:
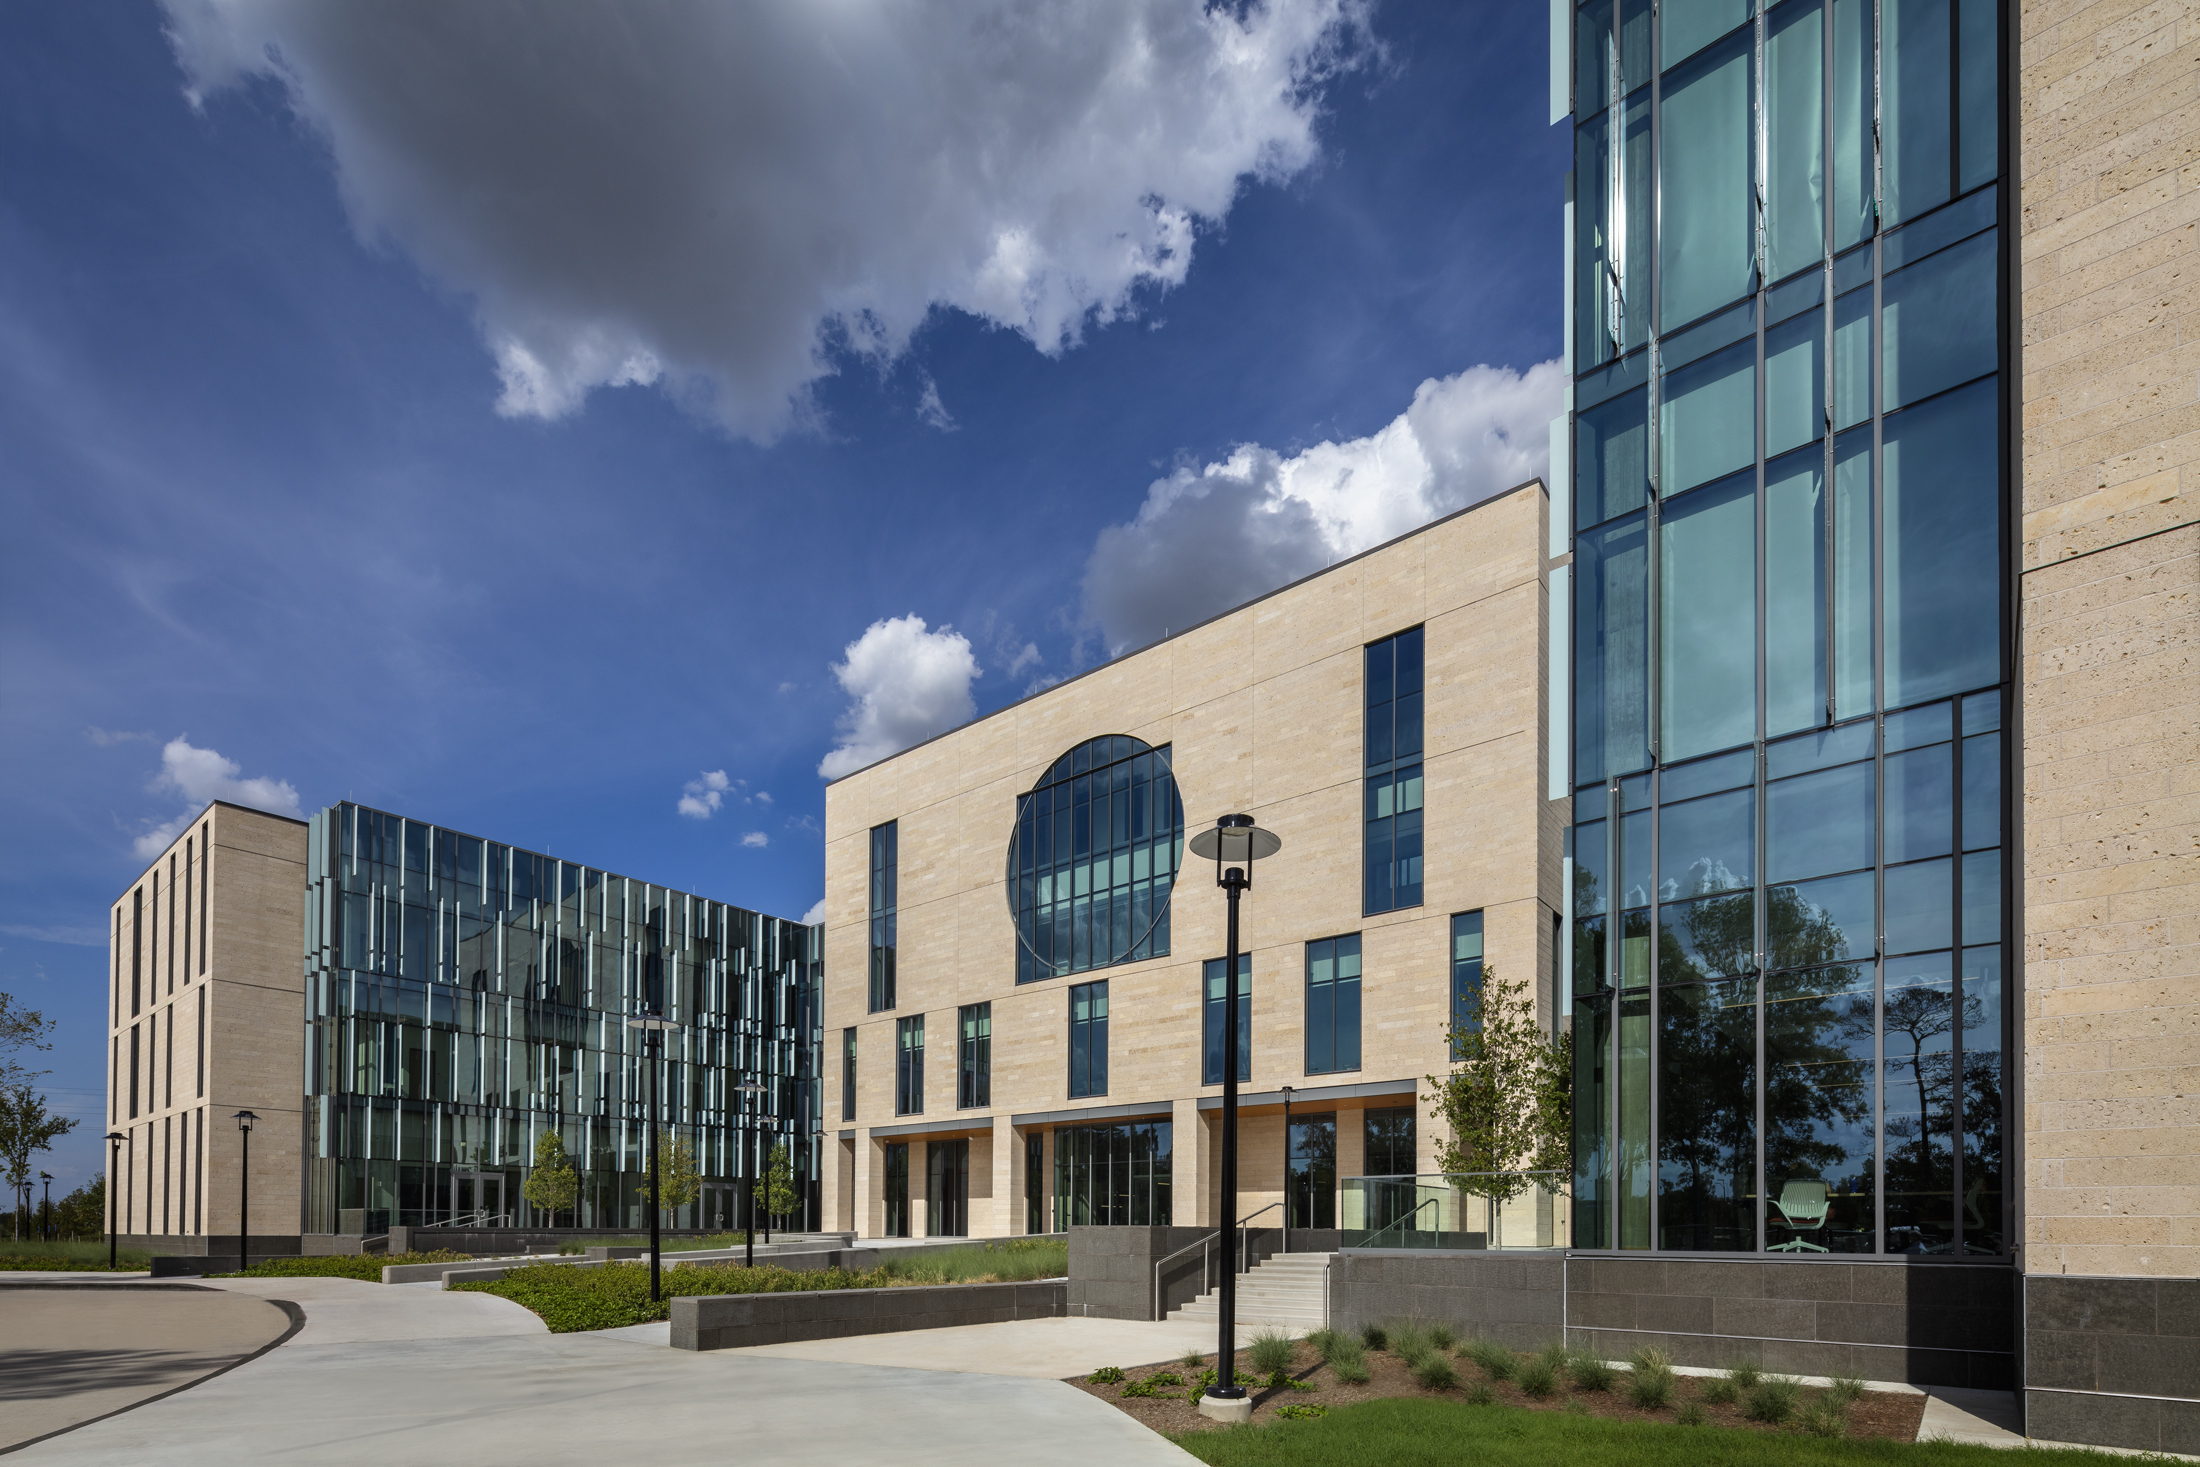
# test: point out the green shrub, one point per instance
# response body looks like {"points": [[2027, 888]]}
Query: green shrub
{"points": [[1556, 1355], [1537, 1379], [1296, 1412], [1436, 1372], [1352, 1369], [1141, 1388], [1771, 1400], [1410, 1342], [1650, 1380], [1690, 1414], [1825, 1416], [65, 1255], [1271, 1351], [1374, 1337], [366, 1266], [1106, 1375], [1192, 1360], [1744, 1374], [1846, 1389], [1168, 1378], [1322, 1341], [1480, 1394], [1442, 1336], [1591, 1374], [571, 1297], [1497, 1361], [1019, 1260], [1718, 1390]]}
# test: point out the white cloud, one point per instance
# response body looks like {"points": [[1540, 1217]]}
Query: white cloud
{"points": [[931, 411], [107, 738], [756, 840], [72, 936], [1211, 538], [815, 915], [201, 776], [908, 684], [717, 197], [701, 798], [763, 797]]}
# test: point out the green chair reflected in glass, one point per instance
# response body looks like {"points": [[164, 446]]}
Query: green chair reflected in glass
{"points": [[1802, 1208]]}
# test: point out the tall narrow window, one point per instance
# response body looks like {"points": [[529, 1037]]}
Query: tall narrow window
{"points": [[909, 1067], [206, 879], [171, 950], [884, 878], [189, 878], [114, 955], [1311, 1171], [135, 1061], [137, 950], [1217, 1001], [168, 1062], [1035, 1182], [974, 1059], [1393, 788], [1088, 1040], [1333, 1005], [152, 985], [1466, 973], [202, 1044], [896, 1196], [1389, 1142], [848, 1074]]}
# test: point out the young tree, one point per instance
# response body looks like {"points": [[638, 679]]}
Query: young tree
{"points": [[25, 1130], [676, 1170], [1509, 1096], [553, 1184], [780, 1198], [83, 1213], [20, 1029]]}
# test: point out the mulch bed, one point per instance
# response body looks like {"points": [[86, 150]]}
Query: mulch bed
{"points": [[1877, 1414]]}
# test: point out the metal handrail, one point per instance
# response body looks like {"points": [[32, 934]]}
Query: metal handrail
{"points": [[1241, 1222], [1207, 1242], [1410, 1215]]}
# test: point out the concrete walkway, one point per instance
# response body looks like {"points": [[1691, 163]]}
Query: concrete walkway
{"points": [[381, 1375], [71, 1355]]}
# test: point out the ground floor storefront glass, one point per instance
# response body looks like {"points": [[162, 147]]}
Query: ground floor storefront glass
{"points": [[1112, 1175]]}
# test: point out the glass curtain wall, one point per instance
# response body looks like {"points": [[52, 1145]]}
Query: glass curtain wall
{"points": [[1094, 858], [1791, 616], [465, 998], [1112, 1175]]}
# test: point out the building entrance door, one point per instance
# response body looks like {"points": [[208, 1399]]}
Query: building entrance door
{"points": [[477, 1199], [720, 1208]]}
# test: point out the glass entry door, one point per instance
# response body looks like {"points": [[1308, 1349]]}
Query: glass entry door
{"points": [[477, 1199], [721, 1208]]}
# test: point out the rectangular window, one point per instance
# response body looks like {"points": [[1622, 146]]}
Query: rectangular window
{"points": [[135, 1061], [1940, 546], [114, 958], [1466, 969], [1708, 631], [1333, 1005], [168, 1062], [202, 1045], [1795, 133], [1088, 1040], [1707, 236], [206, 879], [1217, 1000], [1612, 458], [137, 950], [848, 1074], [947, 1189], [1035, 1182], [1707, 419], [885, 877], [152, 976], [1393, 742], [896, 1191], [189, 879], [1112, 1175], [1707, 1120], [909, 1066], [1311, 1171], [1795, 593], [1612, 649], [171, 939], [1390, 1143], [974, 1062]]}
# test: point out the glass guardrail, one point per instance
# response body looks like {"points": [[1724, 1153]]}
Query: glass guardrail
{"points": [[1453, 1212]]}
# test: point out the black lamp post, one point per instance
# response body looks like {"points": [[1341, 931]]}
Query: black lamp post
{"points": [[244, 1120], [748, 1183], [653, 1027], [1234, 838], [45, 1210], [114, 1194]]}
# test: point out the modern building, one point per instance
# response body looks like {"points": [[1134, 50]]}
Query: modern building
{"points": [[1885, 968], [453, 1000], [1027, 1017]]}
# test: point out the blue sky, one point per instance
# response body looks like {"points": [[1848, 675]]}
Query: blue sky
{"points": [[261, 498]]}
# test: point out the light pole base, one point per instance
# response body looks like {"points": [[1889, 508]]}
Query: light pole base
{"points": [[1231, 1411]]}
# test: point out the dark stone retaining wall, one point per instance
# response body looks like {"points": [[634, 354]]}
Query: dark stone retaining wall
{"points": [[1516, 1300], [1111, 1268], [729, 1321], [2096, 1348]]}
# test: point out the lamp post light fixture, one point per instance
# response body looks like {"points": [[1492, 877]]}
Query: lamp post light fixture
{"points": [[653, 1027], [114, 1216], [45, 1211], [748, 1187], [1235, 838], [244, 1120], [1286, 1168]]}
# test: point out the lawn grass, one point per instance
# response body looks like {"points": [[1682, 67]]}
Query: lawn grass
{"points": [[1425, 1433], [571, 1299], [366, 1266], [71, 1255], [1019, 1260]]}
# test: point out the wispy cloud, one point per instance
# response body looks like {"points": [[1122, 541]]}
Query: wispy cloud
{"points": [[107, 738], [71, 936]]}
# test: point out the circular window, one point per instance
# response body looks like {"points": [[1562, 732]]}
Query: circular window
{"points": [[1094, 856]]}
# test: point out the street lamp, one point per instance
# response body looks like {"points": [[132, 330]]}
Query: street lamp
{"points": [[1286, 1168], [114, 1191], [748, 1187], [1234, 838], [244, 1120], [45, 1211], [653, 1027]]}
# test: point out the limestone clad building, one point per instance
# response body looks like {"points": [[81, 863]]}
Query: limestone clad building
{"points": [[1023, 1021]]}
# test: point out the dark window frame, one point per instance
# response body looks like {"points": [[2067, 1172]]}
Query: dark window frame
{"points": [[909, 1066], [974, 1056], [1394, 684], [1327, 1004], [1088, 1040], [885, 910]]}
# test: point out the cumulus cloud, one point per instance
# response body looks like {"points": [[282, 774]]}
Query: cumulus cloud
{"points": [[701, 798], [719, 197], [1213, 537], [815, 915], [201, 776], [756, 840], [908, 684]]}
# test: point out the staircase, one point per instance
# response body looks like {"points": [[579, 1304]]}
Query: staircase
{"points": [[1285, 1291]]}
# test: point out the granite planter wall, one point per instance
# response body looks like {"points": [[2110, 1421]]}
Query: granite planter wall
{"points": [[729, 1321], [2113, 1362], [1515, 1299]]}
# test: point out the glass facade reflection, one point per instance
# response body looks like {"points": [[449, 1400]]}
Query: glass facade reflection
{"points": [[463, 997], [1790, 614]]}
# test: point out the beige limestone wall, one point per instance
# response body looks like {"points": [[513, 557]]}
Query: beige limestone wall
{"points": [[2110, 566], [180, 1154], [1262, 711]]}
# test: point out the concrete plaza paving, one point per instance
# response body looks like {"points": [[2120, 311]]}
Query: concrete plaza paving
{"points": [[381, 1375]]}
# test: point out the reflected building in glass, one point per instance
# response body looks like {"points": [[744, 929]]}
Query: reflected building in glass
{"points": [[1790, 621], [464, 998]]}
